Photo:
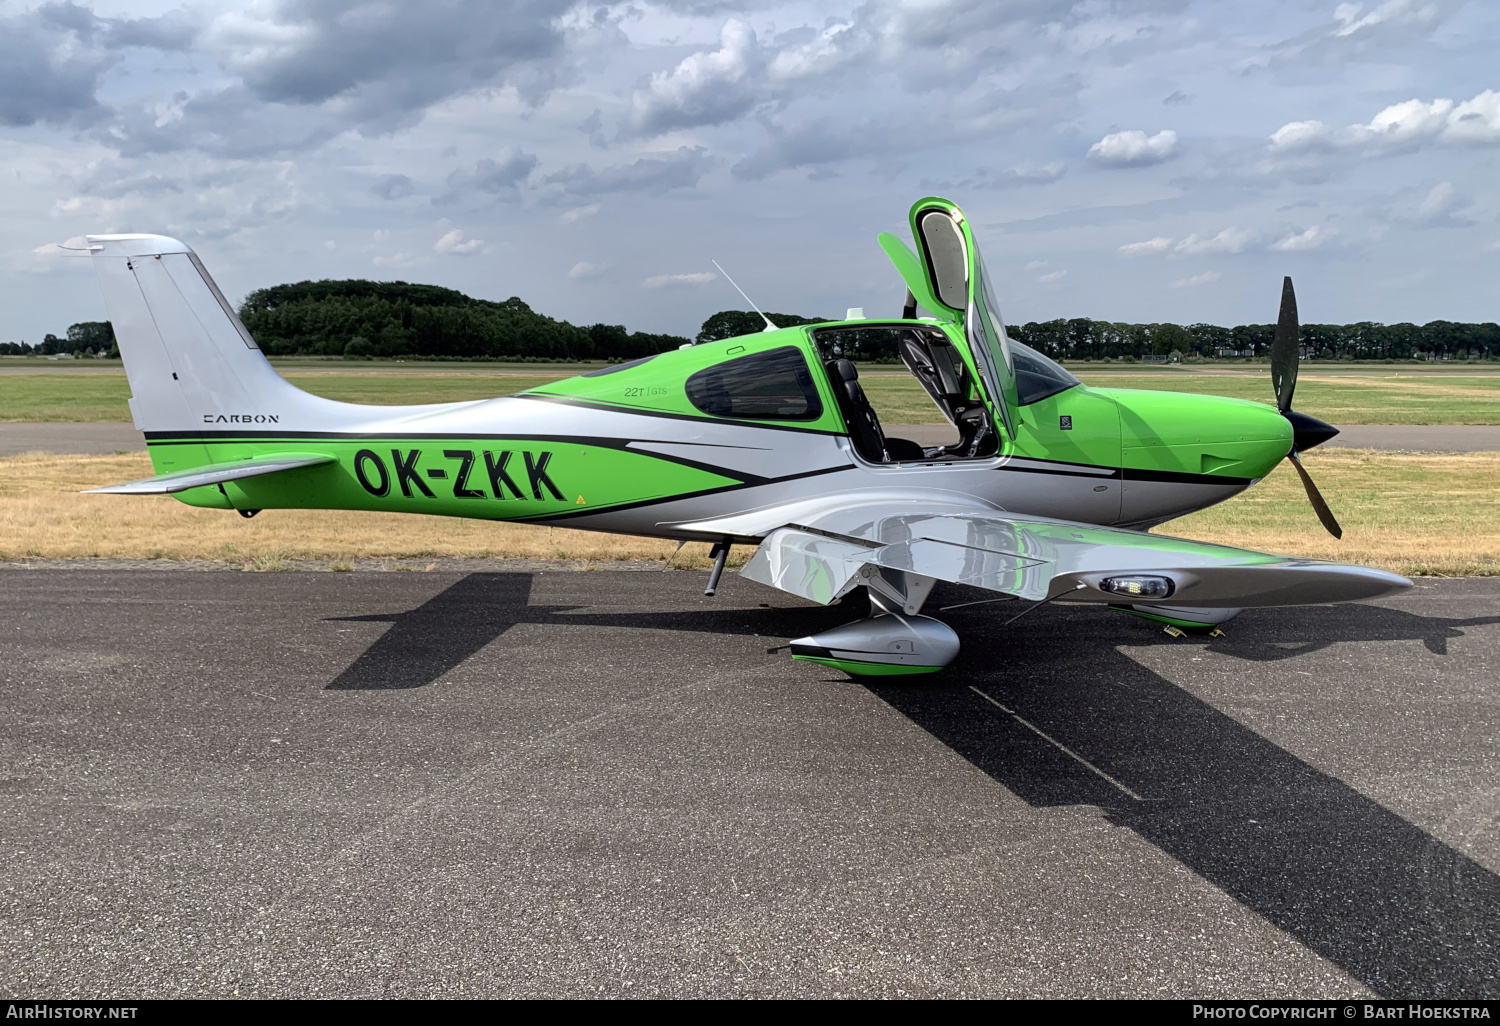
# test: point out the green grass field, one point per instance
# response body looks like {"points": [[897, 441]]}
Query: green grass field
{"points": [[1407, 396]]}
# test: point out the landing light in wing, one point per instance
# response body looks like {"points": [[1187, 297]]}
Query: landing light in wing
{"points": [[1139, 587]]}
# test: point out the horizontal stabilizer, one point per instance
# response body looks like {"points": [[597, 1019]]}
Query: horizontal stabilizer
{"points": [[216, 473]]}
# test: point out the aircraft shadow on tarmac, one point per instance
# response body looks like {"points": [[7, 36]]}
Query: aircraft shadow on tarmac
{"points": [[1071, 719]]}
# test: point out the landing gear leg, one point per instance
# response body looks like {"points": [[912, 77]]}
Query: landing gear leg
{"points": [[893, 640]]}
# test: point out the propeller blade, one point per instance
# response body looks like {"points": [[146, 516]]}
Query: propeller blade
{"points": [[1316, 497], [1284, 352]]}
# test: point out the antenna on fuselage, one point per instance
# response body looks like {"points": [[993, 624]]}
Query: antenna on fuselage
{"points": [[770, 325]]}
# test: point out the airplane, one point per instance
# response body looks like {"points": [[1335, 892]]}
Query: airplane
{"points": [[1047, 494]]}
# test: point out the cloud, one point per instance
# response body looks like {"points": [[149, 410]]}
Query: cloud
{"points": [[386, 62], [1300, 135], [1297, 242], [494, 177], [1198, 279], [1355, 33], [579, 213], [819, 142], [1159, 244], [1052, 276], [1133, 149], [392, 187], [664, 281], [586, 271], [51, 66], [706, 88], [1439, 208], [983, 178], [1230, 240], [648, 176], [961, 48], [454, 242], [1403, 126]]}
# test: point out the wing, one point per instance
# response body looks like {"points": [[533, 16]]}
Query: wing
{"points": [[216, 473], [824, 555]]}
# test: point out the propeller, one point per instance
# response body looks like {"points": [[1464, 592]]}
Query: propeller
{"points": [[1306, 431]]}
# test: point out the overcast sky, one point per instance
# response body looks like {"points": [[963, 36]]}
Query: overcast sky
{"points": [[1131, 161]]}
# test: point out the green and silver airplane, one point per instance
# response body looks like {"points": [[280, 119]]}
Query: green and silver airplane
{"points": [[768, 440]]}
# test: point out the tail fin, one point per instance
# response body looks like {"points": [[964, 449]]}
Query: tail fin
{"points": [[190, 362]]}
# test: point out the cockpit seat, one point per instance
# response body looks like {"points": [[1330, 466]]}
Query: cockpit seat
{"points": [[903, 450], [864, 426]]}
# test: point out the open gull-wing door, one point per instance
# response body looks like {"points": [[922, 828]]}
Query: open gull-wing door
{"points": [[947, 278]]}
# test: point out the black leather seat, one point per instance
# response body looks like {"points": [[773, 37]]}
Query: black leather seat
{"points": [[864, 426]]}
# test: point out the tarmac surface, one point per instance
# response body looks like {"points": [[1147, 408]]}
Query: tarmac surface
{"points": [[105, 438], [552, 784]]}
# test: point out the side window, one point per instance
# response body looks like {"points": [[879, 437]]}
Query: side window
{"points": [[774, 385]]}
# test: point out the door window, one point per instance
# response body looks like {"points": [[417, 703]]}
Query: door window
{"points": [[773, 385]]}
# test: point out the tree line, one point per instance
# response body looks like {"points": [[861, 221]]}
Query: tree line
{"points": [[86, 338], [360, 319], [1081, 338]]}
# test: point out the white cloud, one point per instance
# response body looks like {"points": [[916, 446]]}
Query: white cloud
{"points": [[1299, 135], [1048, 279], [1438, 201], [586, 271], [1147, 248], [663, 281], [453, 242], [579, 213], [398, 260], [1133, 148], [1351, 19], [1299, 241], [1230, 240], [1402, 126], [1198, 279], [705, 88]]}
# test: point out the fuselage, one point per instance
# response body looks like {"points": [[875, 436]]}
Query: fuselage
{"points": [[662, 445]]}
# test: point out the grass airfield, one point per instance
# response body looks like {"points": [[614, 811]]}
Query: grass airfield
{"points": [[1413, 513], [1337, 393]]}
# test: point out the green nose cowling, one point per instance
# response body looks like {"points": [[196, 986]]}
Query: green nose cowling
{"points": [[1199, 434]]}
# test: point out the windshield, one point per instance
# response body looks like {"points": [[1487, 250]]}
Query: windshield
{"points": [[1038, 377]]}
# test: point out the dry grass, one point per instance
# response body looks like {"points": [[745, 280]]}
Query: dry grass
{"points": [[1412, 513], [43, 516]]}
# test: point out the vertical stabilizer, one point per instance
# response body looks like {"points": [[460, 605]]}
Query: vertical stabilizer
{"points": [[190, 362]]}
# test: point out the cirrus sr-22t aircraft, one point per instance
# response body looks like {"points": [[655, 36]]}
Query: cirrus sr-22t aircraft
{"points": [[765, 440]]}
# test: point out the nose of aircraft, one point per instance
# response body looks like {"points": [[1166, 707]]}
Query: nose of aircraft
{"points": [[1204, 434], [1308, 431]]}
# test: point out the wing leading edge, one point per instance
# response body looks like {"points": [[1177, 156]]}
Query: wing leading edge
{"points": [[1034, 558]]}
